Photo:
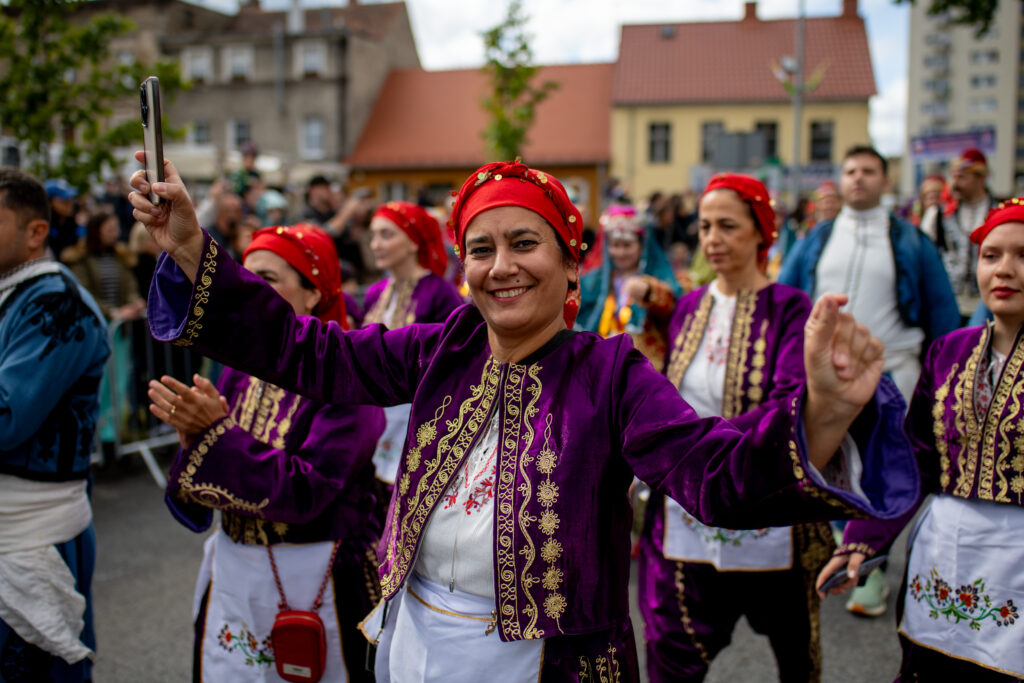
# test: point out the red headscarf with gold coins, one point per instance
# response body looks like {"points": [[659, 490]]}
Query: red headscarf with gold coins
{"points": [[423, 229], [511, 183], [755, 195], [310, 251]]}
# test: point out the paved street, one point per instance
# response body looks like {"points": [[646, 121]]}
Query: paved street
{"points": [[147, 564]]}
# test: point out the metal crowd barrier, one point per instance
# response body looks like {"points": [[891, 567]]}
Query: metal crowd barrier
{"points": [[140, 432]]}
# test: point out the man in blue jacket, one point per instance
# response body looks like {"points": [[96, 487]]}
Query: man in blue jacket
{"points": [[53, 349], [891, 271], [896, 283]]}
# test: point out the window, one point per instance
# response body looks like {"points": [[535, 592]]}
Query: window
{"points": [[201, 133], [311, 140], [394, 192], [939, 109], [126, 60], [821, 141], [310, 59], [709, 131], [239, 132], [983, 81], [936, 62], [659, 143], [938, 86], [984, 57], [197, 64], [985, 105], [937, 39], [237, 62], [770, 130]]}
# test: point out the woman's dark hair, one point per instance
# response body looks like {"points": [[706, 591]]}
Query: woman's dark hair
{"points": [[93, 245]]}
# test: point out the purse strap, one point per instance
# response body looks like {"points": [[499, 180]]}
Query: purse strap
{"points": [[283, 605]]}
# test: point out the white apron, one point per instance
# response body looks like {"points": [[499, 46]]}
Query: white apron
{"points": [[432, 634], [966, 588], [242, 605], [391, 442]]}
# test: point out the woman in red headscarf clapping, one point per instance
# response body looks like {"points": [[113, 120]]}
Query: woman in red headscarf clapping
{"points": [[406, 242], [291, 476], [735, 350]]}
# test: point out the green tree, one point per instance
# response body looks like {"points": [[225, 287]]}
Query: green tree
{"points": [[977, 13], [59, 84], [511, 104]]}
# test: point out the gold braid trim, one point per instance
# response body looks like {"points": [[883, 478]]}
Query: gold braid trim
{"points": [[939, 427], [684, 613], [756, 378], [848, 548], [1009, 385], [814, 542], [964, 406], [210, 495], [200, 297], [437, 474], [404, 312], [688, 341], [504, 500], [736, 358], [807, 485]]}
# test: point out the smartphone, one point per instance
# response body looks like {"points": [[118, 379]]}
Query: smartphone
{"points": [[152, 134], [840, 577]]}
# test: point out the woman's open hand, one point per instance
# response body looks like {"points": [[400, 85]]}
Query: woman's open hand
{"points": [[172, 222], [190, 410]]}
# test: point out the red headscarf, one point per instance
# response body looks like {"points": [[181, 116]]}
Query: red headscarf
{"points": [[753, 192], [972, 160], [423, 229], [511, 183], [310, 251], [1010, 211]]}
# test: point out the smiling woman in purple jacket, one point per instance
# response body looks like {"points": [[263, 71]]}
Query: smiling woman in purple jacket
{"points": [[531, 579]]}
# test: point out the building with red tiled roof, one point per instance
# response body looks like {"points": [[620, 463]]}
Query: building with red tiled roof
{"points": [[425, 132], [678, 87]]}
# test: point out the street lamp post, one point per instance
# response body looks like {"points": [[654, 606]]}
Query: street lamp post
{"points": [[798, 100]]}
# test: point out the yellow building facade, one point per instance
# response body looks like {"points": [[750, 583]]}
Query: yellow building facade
{"points": [[642, 172]]}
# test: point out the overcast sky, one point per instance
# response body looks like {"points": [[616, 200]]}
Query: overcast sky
{"points": [[570, 31]]}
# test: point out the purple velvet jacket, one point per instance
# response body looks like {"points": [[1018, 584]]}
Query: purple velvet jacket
{"points": [[431, 300], [281, 467], [578, 419], [959, 453]]}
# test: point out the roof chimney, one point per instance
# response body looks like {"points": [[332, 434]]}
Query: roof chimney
{"points": [[750, 11], [849, 9]]}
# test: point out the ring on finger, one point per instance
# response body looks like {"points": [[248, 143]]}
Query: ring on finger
{"points": [[173, 408]]}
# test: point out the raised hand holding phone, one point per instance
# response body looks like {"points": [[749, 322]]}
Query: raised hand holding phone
{"points": [[152, 133]]}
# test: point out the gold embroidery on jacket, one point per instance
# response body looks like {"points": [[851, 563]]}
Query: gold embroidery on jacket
{"points": [[209, 495], [736, 358], [250, 531], [201, 297], [285, 425], [963, 406], [688, 340], [605, 668], [404, 311], [757, 377], [451, 450], [1009, 385], [939, 427], [684, 612], [551, 550]]}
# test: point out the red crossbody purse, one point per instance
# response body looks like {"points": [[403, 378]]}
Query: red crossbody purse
{"points": [[298, 637]]}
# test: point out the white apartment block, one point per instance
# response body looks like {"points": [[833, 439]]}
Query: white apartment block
{"points": [[959, 83]]}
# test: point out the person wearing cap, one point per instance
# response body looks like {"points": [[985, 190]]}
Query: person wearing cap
{"points": [[606, 306], [406, 243], [53, 352], [736, 350], [973, 202], [506, 548], [290, 475], [65, 230], [963, 591]]}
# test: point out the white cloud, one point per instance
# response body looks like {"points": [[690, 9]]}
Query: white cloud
{"points": [[888, 122]]}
